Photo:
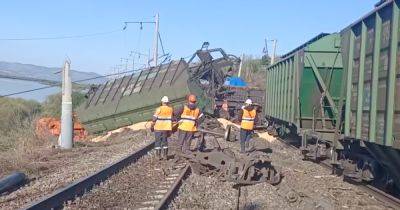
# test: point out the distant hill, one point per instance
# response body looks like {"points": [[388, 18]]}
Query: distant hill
{"points": [[45, 73]]}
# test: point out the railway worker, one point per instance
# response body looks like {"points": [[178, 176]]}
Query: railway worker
{"points": [[246, 116], [189, 117], [162, 127]]}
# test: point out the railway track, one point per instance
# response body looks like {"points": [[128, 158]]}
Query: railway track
{"points": [[372, 190], [162, 191]]}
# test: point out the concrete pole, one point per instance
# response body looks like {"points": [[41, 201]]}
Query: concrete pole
{"points": [[155, 44], [273, 53], [149, 59], [266, 46], [65, 140], [133, 62], [240, 66]]}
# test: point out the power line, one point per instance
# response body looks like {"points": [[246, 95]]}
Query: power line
{"points": [[62, 37], [76, 81], [162, 46]]}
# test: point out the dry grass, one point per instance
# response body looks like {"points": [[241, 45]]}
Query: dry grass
{"points": [[22, 150]]}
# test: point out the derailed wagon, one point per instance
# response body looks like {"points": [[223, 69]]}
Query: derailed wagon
{"points": [[130, 99]]}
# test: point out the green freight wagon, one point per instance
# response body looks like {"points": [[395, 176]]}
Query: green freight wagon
{"points": [[371, 58], [303, 88], [130, 99], [117, 103]]}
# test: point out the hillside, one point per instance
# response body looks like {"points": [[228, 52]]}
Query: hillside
{"points": [[44, 73]]}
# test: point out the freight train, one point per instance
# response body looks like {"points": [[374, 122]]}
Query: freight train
{"points": [[133, 98], [340, 93]]}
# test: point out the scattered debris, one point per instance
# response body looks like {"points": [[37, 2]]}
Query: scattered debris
{"points": [[252, 168], [134, 127]]}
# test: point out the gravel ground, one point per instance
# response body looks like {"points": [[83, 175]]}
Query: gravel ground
{"points": [[145, 181], [125, 189], [305, 185], [61, 168]]}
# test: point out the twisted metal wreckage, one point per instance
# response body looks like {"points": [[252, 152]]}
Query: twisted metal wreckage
{"points": [[252, 168]]}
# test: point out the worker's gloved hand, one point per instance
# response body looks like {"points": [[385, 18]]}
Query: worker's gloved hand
{"points": [[152, 127]]}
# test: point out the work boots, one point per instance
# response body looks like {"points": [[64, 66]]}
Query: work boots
{"points": [[165, 153], [158, 153], [242, 147]]}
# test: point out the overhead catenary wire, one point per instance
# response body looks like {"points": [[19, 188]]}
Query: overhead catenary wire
{"points": [[83, 36], [162, 46], [76, 81], [62, 37]]}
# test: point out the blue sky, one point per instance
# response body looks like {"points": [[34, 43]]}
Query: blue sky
{"points": [[237, 26]]}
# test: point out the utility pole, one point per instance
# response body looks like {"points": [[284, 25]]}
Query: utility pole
{"points": [[273, 52], [156, 36], [265, 50], [133, 60], [241, 64], [126, 63], [155, 44], [149, 59], [65, 140]]}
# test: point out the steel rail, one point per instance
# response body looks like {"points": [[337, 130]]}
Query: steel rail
{"points": [[174, 188], [373, 191], [57, 199]]}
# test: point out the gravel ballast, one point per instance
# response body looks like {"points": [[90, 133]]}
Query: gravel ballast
{"points": [[64, 167], [305, 185]]}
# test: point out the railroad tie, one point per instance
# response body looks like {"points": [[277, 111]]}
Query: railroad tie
{"points": [[146, 208]]}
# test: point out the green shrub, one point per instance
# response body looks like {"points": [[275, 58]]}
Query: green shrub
{"points": [[16, 113], [52, 104]]}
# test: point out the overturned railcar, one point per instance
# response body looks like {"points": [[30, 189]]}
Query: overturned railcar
{"points": [[130, 99]]}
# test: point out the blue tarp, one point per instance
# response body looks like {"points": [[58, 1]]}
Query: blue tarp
{"points": [[235, 81]]}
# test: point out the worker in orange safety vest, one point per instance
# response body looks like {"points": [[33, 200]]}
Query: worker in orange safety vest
{"points": [[189, 117], [246, 116], [162, 127]]}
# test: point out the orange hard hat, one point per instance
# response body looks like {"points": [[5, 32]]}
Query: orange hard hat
{"points": [[192, 98]]}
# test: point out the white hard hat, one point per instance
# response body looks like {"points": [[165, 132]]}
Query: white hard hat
{"points": [[164, 99], [248, 101]]}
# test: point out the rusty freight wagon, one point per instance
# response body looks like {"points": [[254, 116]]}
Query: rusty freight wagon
{"points": [[133, 98]]}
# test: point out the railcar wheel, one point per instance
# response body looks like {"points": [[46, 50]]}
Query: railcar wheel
{"points": [[282, 131]]}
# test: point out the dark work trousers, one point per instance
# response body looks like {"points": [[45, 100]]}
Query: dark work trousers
{"points": [[185, 140], [245, 136], [161, 139]]}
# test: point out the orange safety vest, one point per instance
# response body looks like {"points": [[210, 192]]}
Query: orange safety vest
{"points": [[164, 118], [188, 119], [248, 118]]}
